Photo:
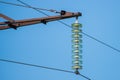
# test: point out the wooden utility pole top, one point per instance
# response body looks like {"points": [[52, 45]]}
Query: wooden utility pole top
{"points": [[11, 23]]}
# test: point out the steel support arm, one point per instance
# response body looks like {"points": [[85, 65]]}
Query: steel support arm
{"points": [[19, 23]]}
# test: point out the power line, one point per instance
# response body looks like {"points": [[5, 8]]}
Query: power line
{"points": [[38, 9], [118, 50], [51, 10], [39, 66], [84, 76], [16, 62]]}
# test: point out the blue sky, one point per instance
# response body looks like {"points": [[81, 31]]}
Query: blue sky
{"points": [[50, 45]]}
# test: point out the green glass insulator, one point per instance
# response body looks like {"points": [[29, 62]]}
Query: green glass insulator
{"points": [[76, 36], [77, 67], [76, 45], [76, 51], [76, 31], [77, 25], [77, 57], [77, 62], [77, 40], [79, 50]]}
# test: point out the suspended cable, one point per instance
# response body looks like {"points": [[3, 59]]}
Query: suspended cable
{"points": [[38, 10], [51, 10], [84, 76], [39, 66], [35, 65], [118, 50]]}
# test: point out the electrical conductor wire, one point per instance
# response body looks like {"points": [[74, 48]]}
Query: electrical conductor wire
{"points": [[39, 66], [51, 10]]}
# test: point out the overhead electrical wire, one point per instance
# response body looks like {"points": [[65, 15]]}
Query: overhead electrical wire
{"points": [[104, 43], [5, 60], [39, 66], [38, 9], [51, 10]]}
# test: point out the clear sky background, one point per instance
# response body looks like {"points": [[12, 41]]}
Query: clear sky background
{"points": [[50, 45]]}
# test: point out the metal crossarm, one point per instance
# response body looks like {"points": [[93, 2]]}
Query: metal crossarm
{"points": [[19, 23]]}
